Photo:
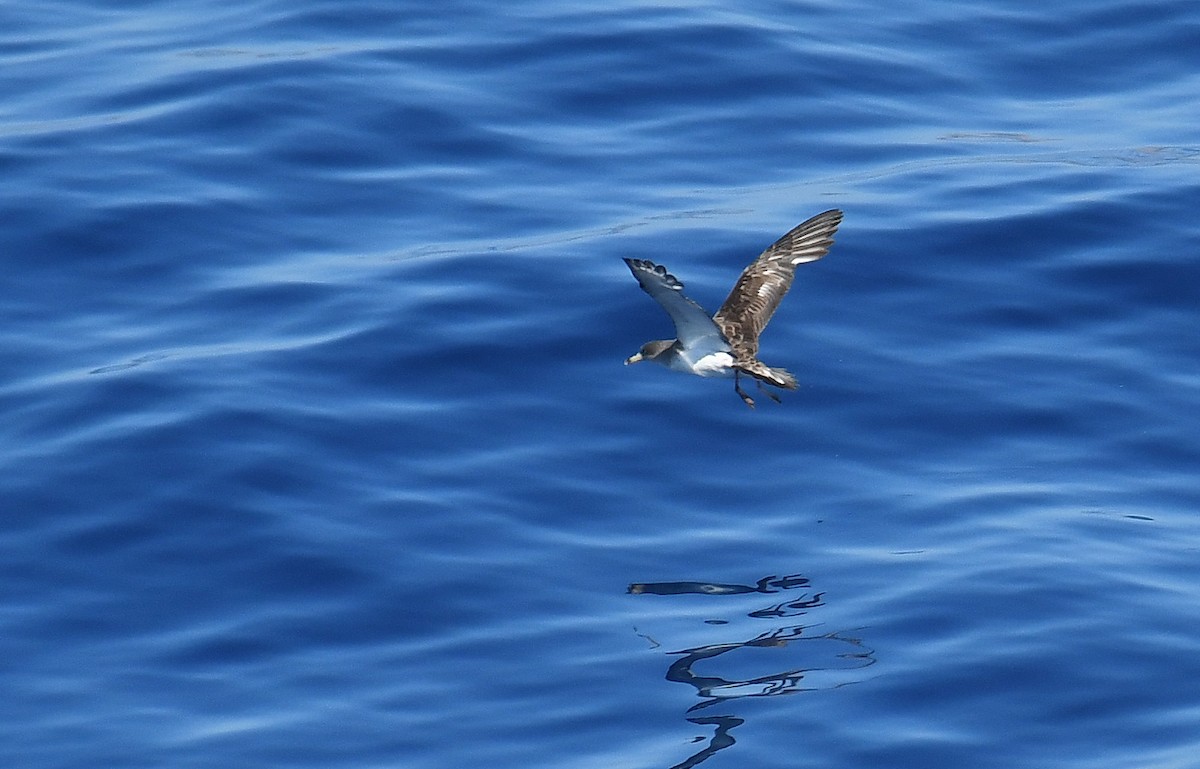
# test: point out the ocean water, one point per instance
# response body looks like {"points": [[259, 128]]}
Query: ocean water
{"points": [[317, 448]]}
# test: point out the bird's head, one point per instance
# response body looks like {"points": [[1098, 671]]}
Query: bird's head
{"points": [[650, 351]]}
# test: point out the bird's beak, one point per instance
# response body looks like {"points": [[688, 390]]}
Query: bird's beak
{"points": [[635, 358]]}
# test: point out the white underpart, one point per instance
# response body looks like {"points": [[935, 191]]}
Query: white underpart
{"points": [[714, 364]]}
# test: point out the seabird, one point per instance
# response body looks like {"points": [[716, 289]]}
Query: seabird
{"points": [[727, 343]]}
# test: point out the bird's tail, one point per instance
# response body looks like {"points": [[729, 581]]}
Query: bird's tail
{"points": [[775, 376]]}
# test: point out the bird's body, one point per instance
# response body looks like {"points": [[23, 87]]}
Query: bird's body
{"points": [[727, 343]]}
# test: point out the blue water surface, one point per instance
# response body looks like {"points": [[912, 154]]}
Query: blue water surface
{"points": [[317, 448]]}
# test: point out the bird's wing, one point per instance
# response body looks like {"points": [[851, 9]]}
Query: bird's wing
{"points": [[762, 285], [692, 324]]}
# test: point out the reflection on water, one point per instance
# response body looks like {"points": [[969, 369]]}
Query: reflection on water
{"points": [[764, 585], [779, 660]]}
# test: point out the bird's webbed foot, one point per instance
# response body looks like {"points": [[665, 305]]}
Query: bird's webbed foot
{"points": [[770, 394], [737, 387]]}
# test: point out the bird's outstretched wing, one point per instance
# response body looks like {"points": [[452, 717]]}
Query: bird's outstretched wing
{"points": [[762, 285], [693, 327]]}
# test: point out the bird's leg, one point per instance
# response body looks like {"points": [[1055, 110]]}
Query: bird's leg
{"points": [[737, 387], [770, 394]]}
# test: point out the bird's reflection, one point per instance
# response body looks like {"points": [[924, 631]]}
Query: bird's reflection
{"points": [[796, 659], [764, 585]]}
